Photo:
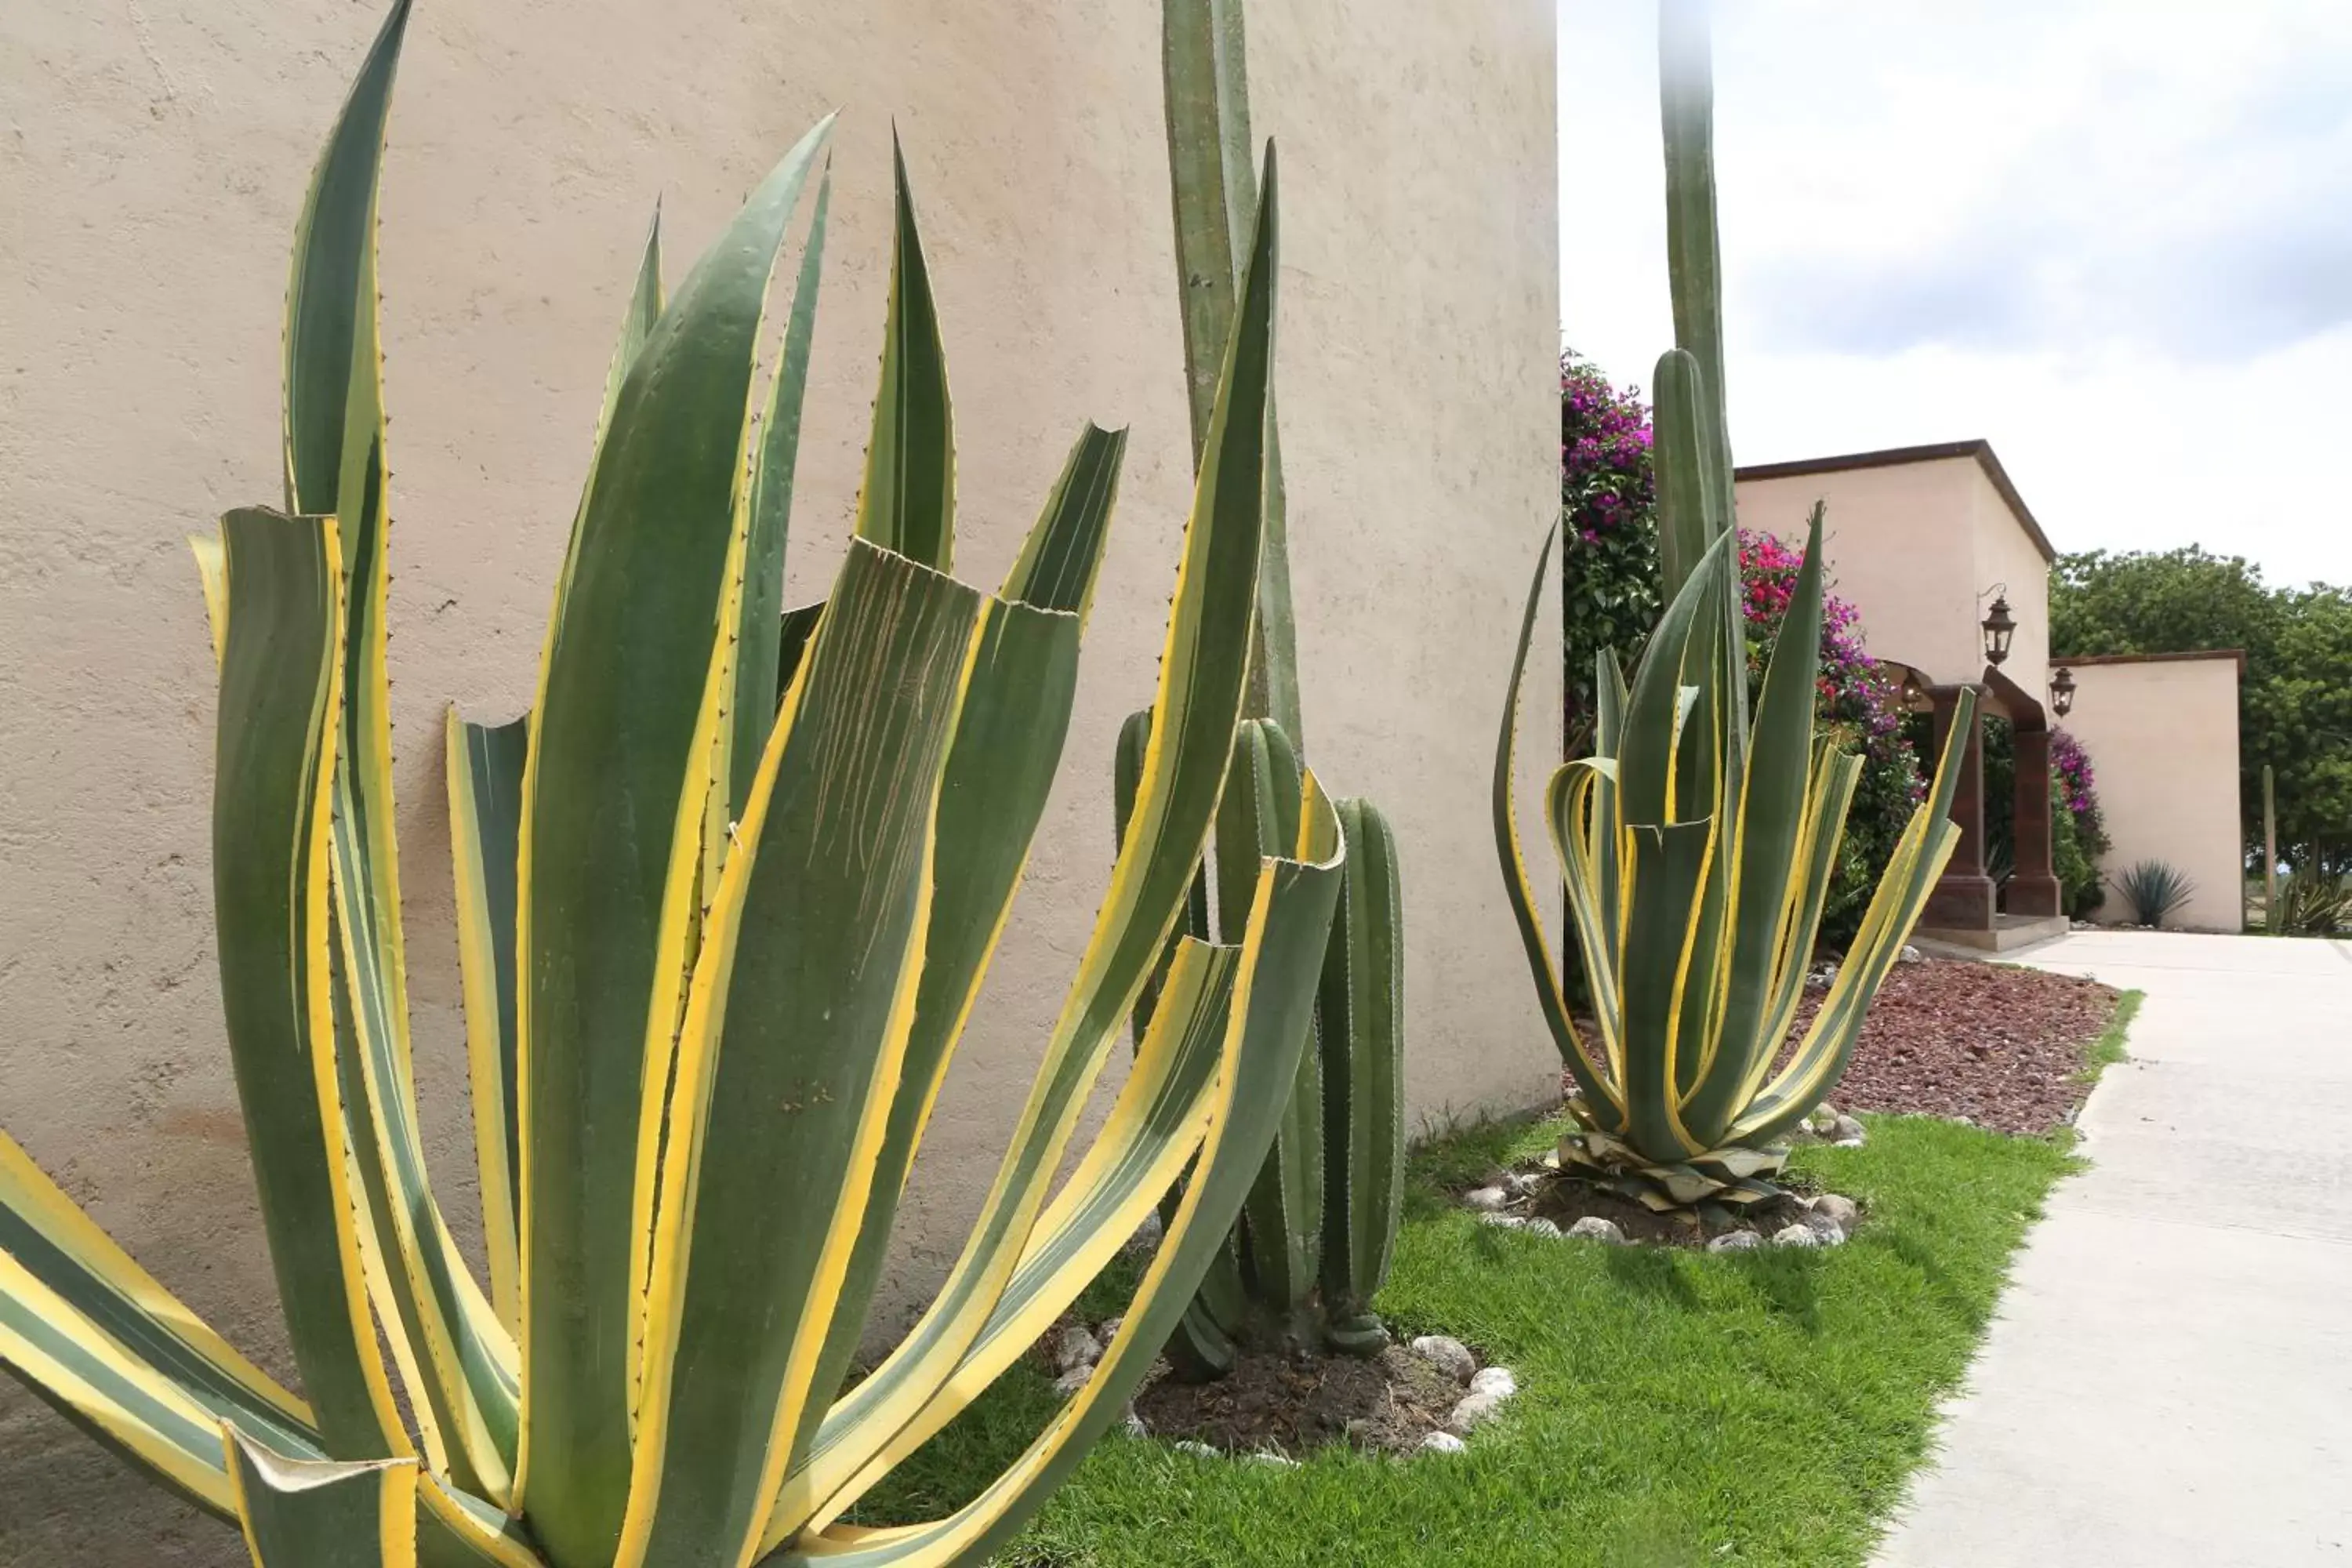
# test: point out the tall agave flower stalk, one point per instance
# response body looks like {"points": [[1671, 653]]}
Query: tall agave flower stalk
{"points": [[1697, 841], [726, 895], [1313, 1245]]}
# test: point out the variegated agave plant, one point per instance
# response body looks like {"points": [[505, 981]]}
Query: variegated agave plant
{"points": [[1697, 847], [1313, 1246], [726, 898]]}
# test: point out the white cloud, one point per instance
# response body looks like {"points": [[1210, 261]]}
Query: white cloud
{"points": [[2116, 239]]}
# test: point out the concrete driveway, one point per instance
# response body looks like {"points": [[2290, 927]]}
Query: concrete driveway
{"points": [[2169, 1377]]}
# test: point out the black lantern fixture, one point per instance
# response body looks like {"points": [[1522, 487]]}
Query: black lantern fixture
{"points": [[2061, 692], [1999, 628]]}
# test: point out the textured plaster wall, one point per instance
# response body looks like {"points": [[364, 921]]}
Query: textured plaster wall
{"points": [[2163, 742], [155, 156], [1911, 546], [1900, 542]]}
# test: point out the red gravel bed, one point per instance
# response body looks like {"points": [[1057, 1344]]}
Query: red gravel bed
{"points": [[2002, 1047]]}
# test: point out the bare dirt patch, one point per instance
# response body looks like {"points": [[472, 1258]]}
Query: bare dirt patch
{"points": [[1290, 1403]]}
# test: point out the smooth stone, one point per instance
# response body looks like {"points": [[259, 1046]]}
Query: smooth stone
{"points": [[1134, 1423], [1593, 1228], [1146, 1239], [1070, 1381], [1826, 1230], [1846, 1126], [1199, 1450], [1524, 1184], [1108, 1330], [1543, 1228], [1485, 1200], [1736, 1241], [1796, 1235], [1266, 1456], [1075, 1348], [1910, 955], [1843, 1210], [1447, 1355], [1847, 1143], [1472, 1410], [1495, 1380], [1443, 1443], [1507, 1221]]}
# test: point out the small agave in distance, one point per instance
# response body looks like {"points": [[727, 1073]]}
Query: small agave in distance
{"points": [[726, 897]]}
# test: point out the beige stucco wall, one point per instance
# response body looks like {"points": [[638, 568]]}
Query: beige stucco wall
{"points": [[156, 158], [2162, 737], [1911, 545]]}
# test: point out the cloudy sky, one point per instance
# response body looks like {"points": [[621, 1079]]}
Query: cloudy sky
{"points": [[2115, 237]]}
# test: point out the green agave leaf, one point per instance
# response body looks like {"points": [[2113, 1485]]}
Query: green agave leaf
{"points": [[1274, 999], [795, 1036], [611, 843], [1153, 1127], [485, 768], [114, 1320], [760, 618], [274, 779], [908, 501], [1516, 886], [1202, 675], [1360, 1009], [1772, 853], [323, 1513], [1010, 730], [1667, 886]]}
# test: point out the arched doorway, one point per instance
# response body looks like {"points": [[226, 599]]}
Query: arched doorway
{"points": [[1965, 898]]}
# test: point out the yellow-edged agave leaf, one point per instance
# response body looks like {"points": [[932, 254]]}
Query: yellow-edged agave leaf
{"points": [[767, 523], [1280, 1246], [455, 1355], [323, 1513], [485, 766], [212, 569], [94, 1310], [1010, 727], [1151, 1132], [1202, 672], [1920, 858], [1600, 1093], [612, 841], [795, 1034], [1267, 1027], [273, 769], [455, 1530], [78, 1369], [489, 769], [908, 501]]}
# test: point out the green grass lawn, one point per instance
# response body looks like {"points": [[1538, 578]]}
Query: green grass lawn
{"points": [[1675, 1407]]}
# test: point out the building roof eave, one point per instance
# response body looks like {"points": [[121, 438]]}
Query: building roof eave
{"points": [[1981, 450]]}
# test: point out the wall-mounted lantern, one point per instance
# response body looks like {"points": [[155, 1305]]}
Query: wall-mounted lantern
{"points": [[2061, 692], [1999, 628]]}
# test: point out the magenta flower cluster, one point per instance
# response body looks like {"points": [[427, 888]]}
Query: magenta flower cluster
{"points": [[1856, 695], [1604, 452], [2077, 786]]}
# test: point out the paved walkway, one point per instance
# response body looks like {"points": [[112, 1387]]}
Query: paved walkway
{"points": [[2170, 1378]]}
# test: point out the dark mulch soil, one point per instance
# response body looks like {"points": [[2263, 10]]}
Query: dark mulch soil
{"points": [[1293, 1402], [1566, 1199], [2002, 1047]]}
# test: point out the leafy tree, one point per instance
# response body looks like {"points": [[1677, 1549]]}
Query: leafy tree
{"points": [[2295, 705]]}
